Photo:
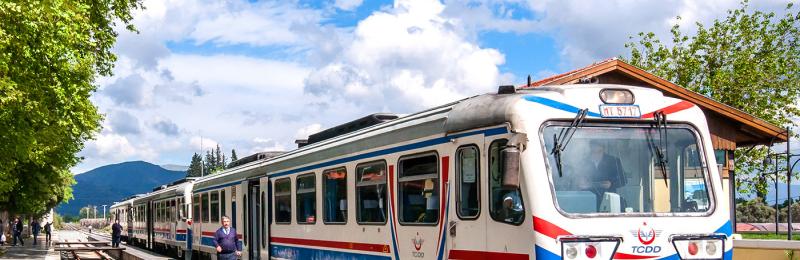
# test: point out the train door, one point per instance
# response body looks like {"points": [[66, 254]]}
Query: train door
{"points": [[420, 198], [466, 228], [149, 224], [506, 206], [253, 212]]}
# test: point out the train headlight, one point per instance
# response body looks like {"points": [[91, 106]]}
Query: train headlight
{"points": [[699, 246], [616, 96], [588, 248]]}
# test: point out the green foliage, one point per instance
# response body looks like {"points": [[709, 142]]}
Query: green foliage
{"points": [[233, 155], [214, 162], [194, 167], [58, 221], [754, 211], [749, 60], [51, 52]]}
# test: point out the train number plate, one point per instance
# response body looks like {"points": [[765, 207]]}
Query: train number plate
{"points": [[620, 111]]}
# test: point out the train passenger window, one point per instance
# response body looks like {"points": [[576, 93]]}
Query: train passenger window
{"points": [[196, 208], [306, 199], [283, 201], [204, 207], [505, 205], [371, 193], [418, 189], [214, 206], [468, 188], [334, 188], [222, 201]]}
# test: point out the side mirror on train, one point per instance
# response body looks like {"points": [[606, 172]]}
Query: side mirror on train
{"points": [[511, 167]]}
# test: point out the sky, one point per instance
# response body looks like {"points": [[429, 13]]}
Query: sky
{"points": [[255, 76]]}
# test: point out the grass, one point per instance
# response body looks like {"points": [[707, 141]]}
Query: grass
{"points": [[795, 236]]}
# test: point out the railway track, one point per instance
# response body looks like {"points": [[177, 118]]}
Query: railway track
{"points": [[77, 249]]}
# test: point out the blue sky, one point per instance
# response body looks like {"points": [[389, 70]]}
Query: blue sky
{"points": [[254, 76]]}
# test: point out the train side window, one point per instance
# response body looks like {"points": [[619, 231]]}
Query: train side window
{"points": [[283, 201], [371, 193], [505, 205], [418, 189], [334, 188], [214, 206], [468, 188], [204, 207], [222, 202], [306, 199], [196, 208]]}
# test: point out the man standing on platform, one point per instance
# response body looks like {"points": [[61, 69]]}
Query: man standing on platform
{"points": [[226, 241], [18, 232], [116, 232], [35, 227], [48, 229]]}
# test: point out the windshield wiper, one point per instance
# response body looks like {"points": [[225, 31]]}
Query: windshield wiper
{"points": [[661, 126], [561, 140]]}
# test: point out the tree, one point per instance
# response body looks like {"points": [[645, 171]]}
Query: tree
{"points": [[51, 53], [210, 163], [754, 211], [750, 60], [233, 155], [195, 166]]}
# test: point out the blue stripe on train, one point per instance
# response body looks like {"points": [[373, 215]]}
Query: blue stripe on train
{"points": [[417, 145], [290, 252], [180, 237]]}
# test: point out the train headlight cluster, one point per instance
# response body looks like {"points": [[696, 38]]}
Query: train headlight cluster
{"points": [[617, 96], [699, 246], [588, 248]]}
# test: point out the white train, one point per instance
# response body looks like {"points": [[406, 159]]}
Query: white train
{"points": [[568, 172]]}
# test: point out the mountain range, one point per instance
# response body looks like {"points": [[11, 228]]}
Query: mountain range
{"points": [[113, 183]]}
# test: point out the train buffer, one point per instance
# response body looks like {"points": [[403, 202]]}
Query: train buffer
{"points": [[85, 249]]}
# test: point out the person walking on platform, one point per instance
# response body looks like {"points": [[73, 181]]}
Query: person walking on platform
{"points": [[35, 227], [48, 228], [226, 241], [116, 232], [18, 232]]}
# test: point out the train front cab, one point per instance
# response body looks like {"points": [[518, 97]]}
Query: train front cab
{"points": [[663, 200]]}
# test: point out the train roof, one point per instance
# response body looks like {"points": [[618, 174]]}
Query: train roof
{"points": [[469, 113]]}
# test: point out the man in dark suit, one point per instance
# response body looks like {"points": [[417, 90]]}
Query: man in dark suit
{"points": [[116, 232], [226, 241], [604, 172]]}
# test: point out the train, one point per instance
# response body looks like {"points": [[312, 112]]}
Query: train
{"points": [[583, 171]]}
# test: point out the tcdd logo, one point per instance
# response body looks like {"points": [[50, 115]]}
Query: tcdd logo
{"points": [[646, 234], [646, 249]]}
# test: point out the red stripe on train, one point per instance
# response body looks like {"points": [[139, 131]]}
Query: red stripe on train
{"points": [[332, 244], [683, 105], [443, 195], [629, 256], [548, 229], [470, 255]]}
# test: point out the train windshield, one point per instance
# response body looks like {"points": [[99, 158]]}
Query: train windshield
{"points": [[627, 170]]}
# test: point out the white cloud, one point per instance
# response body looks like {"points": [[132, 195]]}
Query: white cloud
{"points": [[405, 59], [206, 143], [305, 131], [347, 5], [259, 24], [589, 31]]}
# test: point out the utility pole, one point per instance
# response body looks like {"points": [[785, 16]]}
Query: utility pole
{"points": [[789, 226], [202, 159]]}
